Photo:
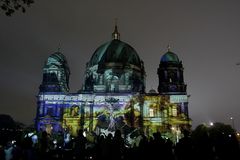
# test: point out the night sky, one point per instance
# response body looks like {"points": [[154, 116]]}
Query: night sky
{"points": [[204, 34]]}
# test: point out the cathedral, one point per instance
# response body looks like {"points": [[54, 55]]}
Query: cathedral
{"points": [[113, 95]]}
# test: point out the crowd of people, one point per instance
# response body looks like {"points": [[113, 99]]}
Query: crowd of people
{"points": [[115, 147]]}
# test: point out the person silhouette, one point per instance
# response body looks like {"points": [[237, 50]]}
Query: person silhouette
{"points": [[118, 145]]}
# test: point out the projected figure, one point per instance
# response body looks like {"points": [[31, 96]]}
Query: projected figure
{"points": [[111, 125], [111, 101], [74, 111], [108, 118]]}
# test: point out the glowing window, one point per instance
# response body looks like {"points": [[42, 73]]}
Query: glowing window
{"points": [[174, 111], [170, 111], [41, 110], [165, 112], [151, 113], [50, 111]]}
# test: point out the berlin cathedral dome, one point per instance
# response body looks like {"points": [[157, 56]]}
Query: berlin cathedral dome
{"points": [[115, 51], [115, 67]]}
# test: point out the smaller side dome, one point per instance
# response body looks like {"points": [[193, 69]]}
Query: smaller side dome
{"points": [[56, 58], [170, 57]]}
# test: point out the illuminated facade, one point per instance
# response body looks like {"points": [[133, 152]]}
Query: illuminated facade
{"points": [[113, 94]]}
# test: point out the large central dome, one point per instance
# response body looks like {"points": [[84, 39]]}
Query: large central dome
{"points": [[115, 67], [115, 51]]}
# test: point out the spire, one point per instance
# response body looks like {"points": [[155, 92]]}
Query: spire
{"points": [[59, 47], [116, 34], [168, 47]]}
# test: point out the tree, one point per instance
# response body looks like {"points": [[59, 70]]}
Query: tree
{"points": [[10, 6], [225, 141], [218, 140], [222, 129], [8, 129], [6, 121]]}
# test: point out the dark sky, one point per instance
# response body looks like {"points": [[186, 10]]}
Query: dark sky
{"points": [[204, 34]]}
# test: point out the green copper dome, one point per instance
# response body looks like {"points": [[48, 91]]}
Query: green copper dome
{"points": [[58, 60], [170, 57], [57, 57], [115, 51]]}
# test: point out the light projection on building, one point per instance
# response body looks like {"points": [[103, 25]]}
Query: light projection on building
{"points": [[113, 95], [71, 119]]}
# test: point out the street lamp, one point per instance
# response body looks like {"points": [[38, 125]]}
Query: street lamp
{"points": [[211, 123]]}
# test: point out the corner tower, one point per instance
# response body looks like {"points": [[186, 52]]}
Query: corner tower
{"points": [[55, 74], [52, 91], [170, 74]]}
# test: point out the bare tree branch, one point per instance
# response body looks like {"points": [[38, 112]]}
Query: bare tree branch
{"points": [[10, 6]]}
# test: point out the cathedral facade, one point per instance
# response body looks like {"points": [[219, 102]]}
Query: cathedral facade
{"points": [[113, 95]]}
